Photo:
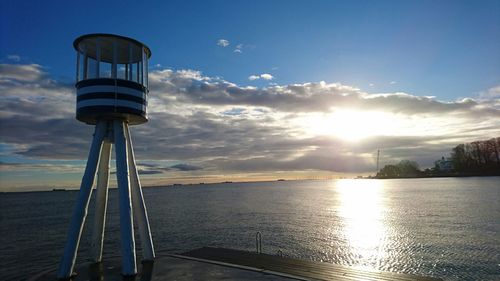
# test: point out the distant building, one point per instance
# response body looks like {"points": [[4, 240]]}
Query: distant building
{"points": [[445, 164]]}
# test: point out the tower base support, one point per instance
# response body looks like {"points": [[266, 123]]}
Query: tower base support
{"points": [[130, 198]]}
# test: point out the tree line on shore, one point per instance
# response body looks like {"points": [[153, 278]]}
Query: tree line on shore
{"points": [[478, 158]]}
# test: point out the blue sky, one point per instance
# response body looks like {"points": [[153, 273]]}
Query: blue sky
{"points": [[255, 90]]}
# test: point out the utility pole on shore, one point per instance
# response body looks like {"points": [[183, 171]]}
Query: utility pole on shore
{"points": [[378, 157]]}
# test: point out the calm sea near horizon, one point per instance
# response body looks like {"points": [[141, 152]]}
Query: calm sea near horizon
{"points": [[442, 227]]}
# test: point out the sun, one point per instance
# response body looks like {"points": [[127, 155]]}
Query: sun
{"points": [[351, 125]]}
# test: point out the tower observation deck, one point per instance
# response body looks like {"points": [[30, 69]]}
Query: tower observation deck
{"points": [[111, 78]]}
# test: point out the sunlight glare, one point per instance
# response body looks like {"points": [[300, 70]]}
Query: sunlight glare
{"points": [[355, 124], [350, 124], [362, 210]]}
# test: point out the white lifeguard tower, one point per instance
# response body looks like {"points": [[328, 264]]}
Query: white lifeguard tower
{"points": [[112, 93]]}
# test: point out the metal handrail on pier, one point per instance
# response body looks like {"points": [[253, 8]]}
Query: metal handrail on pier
{"points": [[258, 242]]}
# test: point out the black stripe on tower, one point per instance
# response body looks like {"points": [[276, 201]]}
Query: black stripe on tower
{"points": [[110, 82], [92, 110], [110, 95]]}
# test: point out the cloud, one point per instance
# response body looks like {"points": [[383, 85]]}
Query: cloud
{"points": [[149, 172], [15, 58], [238, 49], [56, 166], [151, 169], [223, 43], [213, 126], [392, 82], [186, 167], [491, 93], [40, 110], [265, 76], [21, 72], [307, 97]]}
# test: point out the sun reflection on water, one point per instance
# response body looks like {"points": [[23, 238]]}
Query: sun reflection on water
{"points": [[362, 209]]}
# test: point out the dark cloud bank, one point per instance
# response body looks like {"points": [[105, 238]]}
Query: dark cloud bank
{"points": [[212, 125]]}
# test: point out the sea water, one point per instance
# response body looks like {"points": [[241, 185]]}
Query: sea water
{"points": [[442, 227]]}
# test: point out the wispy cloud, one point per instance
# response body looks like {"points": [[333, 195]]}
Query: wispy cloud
{"points": [[15, 58], [21, 72], [186, 167], [491, 93], [223, 43], [238, 49], [393, 82]]}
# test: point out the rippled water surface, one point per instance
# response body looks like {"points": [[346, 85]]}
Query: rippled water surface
{"points": [[447, 227]]}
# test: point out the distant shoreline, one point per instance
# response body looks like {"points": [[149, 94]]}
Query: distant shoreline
{"points": [[441, 176], [424, 177], [244, 182]]}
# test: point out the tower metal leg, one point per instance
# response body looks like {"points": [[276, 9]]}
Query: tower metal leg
{"points": [[101, 202], [126, 213], [82, 203], [140, 212]]}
